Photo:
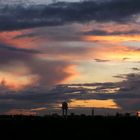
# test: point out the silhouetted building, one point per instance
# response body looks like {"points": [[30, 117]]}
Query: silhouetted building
{"points": [[64, 108], [83, 115], [72, 114], [127, 114], [55, 115], [118, 114]]}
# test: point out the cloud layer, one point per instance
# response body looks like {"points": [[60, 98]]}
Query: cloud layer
{"points": [[60, 13], [46, 72], [121, 95]]}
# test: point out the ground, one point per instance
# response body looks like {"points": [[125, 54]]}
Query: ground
{"points": [[57, 127]]}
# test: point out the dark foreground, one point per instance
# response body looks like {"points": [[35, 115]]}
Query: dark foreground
{"points": [[21, 127]]}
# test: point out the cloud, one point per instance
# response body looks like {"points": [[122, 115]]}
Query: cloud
{"points": [[101, 60], [14, 49], [125, 93], [10, 54], [112, 33], [38, 109], [125, 58], [52, 72], [65, 12], [129, 104], [69, 52], [125, 96], [120, 76], [136, 69], [24, 65], [93, 104], [131, 83], [20, 112], [57, 33]]}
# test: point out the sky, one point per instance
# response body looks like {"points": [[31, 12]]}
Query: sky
{"points": [[84, 52]]}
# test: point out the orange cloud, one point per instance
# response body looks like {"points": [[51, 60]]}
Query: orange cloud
{"points": [[20, 77], [118, 53], [25, 112], [71, 71], [119, 38], [17, 78], [26, 42], [39, 109], [14, 82], [93, 103]]}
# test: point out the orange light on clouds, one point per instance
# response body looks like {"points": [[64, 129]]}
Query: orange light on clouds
{"points": [[11, 38], [120, 38], [91, 103], [107, 48], [25, 112], [39, 109], [14, 82], [125, 52], [17, 76], [71, 71], [117, 53]]}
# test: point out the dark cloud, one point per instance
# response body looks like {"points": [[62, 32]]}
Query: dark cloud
{"points": [[130, 104], [131, 83], [34, 97], [120, 76], [10, 54], [101, 60], [57, 33], [136, 69], [125, 58], [14, 49], [20, 17]]}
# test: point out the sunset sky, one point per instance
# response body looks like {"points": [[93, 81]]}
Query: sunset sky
{"points": [[84, 52]]}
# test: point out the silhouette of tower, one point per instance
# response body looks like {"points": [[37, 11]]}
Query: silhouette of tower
{"points": [[92, 112], [64, 108]]}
